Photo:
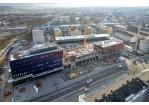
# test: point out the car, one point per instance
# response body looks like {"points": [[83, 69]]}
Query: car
{"points": [[92, 65], [99, 67], [134, 61], [119, 66], [7, 93], [86, 90], [89, 81], [38, 83], [95, 69], [3, 71]]}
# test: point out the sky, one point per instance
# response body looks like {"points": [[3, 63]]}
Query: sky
{"points": [[76, 3]]}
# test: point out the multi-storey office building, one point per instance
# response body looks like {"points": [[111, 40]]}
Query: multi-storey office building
{"points": [[35, 62]]}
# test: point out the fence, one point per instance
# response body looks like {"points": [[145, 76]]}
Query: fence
{"points": [[104, 85]]}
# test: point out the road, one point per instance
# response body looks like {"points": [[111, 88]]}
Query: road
{"points": [[71, 92], [82, 83]]}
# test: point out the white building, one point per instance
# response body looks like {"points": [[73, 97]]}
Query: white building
{"points": [[76, 19], [125, 36], [120, 28], [61, 20], [38, 36], [144, 46], [74, 30]]}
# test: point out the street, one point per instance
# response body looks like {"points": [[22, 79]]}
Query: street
{"points": [[80, 85]]}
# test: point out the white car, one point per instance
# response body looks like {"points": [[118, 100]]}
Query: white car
{"points": [[92, 65], [86, 90], [119, 66], [89, 81], [99, 67]]}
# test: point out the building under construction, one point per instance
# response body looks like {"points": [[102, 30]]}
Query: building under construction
{"points": [[97, 50]]}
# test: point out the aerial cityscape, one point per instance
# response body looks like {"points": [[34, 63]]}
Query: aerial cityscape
{"points": [[74, 53]]}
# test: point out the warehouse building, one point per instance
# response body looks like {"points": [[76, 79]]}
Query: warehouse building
{"points": [[125, 36], [126, 89], [28, 64], [38, 36]]}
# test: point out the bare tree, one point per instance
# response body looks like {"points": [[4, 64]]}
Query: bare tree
{"points": [[14, 32]]}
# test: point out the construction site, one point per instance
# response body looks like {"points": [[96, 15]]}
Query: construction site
{"points": [[80, 60]]}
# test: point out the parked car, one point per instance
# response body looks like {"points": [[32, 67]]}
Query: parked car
{"points": [[7, 94], [38, 83], [119, 66], [3, 71], [134, 61], [86, 90], [89, 81]]}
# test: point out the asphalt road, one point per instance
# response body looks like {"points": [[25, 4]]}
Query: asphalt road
{"points": [[77, 85], [112, 69]]}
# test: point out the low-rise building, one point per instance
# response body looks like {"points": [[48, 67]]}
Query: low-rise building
{"points": [[121, 89], [125, 36], [74, 31], [144, 45], [57, 32], [119, 28], [91, 30]]}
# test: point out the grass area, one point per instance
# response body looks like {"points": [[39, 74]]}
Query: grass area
{"points": [[6, 43]]}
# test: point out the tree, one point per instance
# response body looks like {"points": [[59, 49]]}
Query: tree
{"points": [[13, 31]]}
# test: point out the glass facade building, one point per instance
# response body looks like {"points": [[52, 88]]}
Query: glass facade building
{"points": [[37, 63]]}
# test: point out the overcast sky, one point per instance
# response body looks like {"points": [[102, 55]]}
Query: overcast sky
{"points": [[77, 3]]}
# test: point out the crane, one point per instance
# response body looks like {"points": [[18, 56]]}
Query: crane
{"points": [[108, 30], [85, 24]]}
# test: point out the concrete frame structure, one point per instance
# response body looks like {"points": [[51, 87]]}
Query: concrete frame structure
{"points": [[100, 50]]}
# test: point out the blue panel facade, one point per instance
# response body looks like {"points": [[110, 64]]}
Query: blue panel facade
{"points": [[36, 64]]}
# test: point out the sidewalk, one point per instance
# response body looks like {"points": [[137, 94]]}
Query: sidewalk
{"points": [[65, 84]]}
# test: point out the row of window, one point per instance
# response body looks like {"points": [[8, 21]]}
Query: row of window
{"points": [[34, 71]]}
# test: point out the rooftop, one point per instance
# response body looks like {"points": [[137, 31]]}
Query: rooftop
{"points": [[57, 29], [120, 91], [81, 36], [125, 33], [33, 51], [73, 28]]}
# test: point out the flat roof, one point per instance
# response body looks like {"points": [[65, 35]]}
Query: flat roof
{"points": [[125, 33], [119, 91], [34, 51], [81, 36]]}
